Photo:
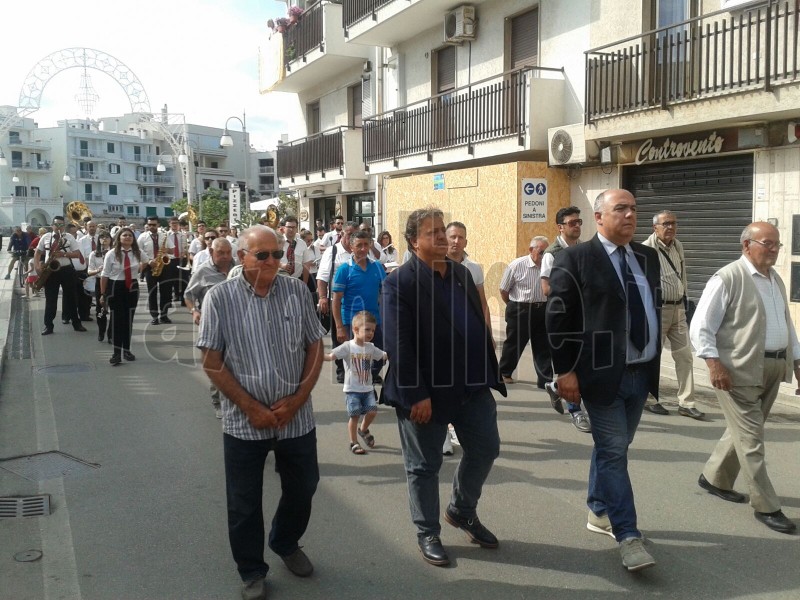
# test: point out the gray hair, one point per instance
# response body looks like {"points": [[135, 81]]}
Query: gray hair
{"points": [[599, 201], [537, 239], [251, 232], [664, 212], [221, 243]]}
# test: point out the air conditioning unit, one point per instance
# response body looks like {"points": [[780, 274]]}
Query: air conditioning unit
{"points": [[566, 145], [459, 24]]}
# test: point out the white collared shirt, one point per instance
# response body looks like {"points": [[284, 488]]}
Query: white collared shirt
{"points": [[633, 355], [522, 280], [713, 305]]}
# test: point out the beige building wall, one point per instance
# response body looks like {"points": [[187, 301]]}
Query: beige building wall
{"points": [[487, 200]]}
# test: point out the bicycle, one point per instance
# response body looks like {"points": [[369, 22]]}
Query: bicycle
{"points": [[22, 265]]}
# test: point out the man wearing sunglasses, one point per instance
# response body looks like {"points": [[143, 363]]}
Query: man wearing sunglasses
{"points": [[262, 348], [743, 330], [569, 222], [674, 325], [59, 247]]}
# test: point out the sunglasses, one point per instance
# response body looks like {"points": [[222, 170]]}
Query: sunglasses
{"points": [[210, 237], [265, 254]]}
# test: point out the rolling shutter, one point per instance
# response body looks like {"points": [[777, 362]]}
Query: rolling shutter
{"points": [[525, 40], [445, 69], [713, 200]]}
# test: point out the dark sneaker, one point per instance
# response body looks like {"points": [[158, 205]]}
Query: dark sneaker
{"points": [[634, 556], [476, 532]]}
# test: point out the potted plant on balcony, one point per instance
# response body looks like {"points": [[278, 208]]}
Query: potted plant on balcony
{"points": [[295, 12], [290, 53], [281, 24]]}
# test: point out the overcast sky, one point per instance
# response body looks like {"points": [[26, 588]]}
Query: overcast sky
{"points": [[200, 57]]}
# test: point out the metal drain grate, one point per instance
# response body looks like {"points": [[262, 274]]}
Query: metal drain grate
{"points": [[19, 331], [24, 506], [47, 465]]}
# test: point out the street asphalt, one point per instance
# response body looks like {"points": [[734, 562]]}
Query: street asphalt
{"points": [[139, 512]]}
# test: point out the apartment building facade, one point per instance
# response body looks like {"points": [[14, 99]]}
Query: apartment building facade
{"points": [[120, 167]]}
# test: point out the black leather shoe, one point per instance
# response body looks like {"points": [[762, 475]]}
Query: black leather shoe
{"points": [[433, 551], [476, 532], [166, 320], [776, 521], [65, 321], [729, 495], [690, 412], [79, 327], [154, 321], [656, 409], [47, 331], [115, 359], [128, 355]]}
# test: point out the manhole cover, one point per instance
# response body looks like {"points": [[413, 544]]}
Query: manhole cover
{"points": [[47, 465], [65, 369], [28, 556], [24, 506]]}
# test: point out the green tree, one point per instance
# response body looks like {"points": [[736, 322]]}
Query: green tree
{"points": [[213, 207]]}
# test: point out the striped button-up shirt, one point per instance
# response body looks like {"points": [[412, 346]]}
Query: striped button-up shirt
{"points": [[522, 281], [263, 342]]}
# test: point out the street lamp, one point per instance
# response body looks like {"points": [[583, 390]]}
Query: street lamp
{"points": [[186, 158], [226, 141], [66, 178], [160, 167], [15, 179]]}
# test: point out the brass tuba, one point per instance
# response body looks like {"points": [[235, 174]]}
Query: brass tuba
{"points": [[77, 212], [271, 216]]}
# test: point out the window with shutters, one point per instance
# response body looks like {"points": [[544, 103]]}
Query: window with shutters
{"points": [[312, 118], [367, 108], [443, 117], [355, 114], [524, 42]]}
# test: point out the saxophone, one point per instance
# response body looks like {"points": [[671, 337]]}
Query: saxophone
{"points": [[162, 259], [50, 267]]}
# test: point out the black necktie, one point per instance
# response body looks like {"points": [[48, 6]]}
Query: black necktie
{"points": [[637, 318]]}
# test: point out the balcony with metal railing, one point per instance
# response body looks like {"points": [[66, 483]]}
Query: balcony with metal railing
{"points": [[266, 170], [88, 154], [25, 145], [505, 114], [308, 51], [167, 180], [733, 58], [30, 165], [332, 155], [388, 22]]}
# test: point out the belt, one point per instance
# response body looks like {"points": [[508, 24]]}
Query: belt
{"points": [[674, 302], [775, 354]]}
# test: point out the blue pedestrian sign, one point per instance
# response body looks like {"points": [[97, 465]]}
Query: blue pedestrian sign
{"points": [[534, 201]]}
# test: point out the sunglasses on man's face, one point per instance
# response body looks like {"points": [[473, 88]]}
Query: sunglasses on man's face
{"points": [[265, 254], [211, 237]]}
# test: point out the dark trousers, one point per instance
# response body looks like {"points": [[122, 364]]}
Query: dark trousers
{"points": [[82, 300], [159, 292], [122, 303], [296, 465], [334, 343], [64, 279], [101, 314], [525, 322], [179, 278]]}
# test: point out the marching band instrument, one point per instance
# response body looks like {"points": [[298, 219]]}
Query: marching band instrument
{"points": [[51, 266], [162, 259], [77, 212]]}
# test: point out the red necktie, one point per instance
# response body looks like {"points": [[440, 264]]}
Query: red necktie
{"points": [[127, 265], [175, 249], [94, 244]]}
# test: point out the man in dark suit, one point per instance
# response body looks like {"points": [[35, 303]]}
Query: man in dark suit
{"points": [[603, 327], [441, 368]]}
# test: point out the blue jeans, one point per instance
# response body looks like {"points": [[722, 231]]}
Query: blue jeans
{"points": [[613, 428], [476, 427], [296, 465]]}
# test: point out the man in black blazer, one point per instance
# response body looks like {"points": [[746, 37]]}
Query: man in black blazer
{"points": [[441, 368], [603, 327]]}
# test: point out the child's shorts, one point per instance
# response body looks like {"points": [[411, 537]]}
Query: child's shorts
{"points": [[360, 403]]}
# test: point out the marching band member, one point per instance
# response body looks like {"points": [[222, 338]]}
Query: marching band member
{"points": [[177, 249], [159, 288], [94, 270]]}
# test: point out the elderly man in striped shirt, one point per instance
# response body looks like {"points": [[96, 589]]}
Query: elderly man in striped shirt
{"points": [[521, 290], [262, 347]]}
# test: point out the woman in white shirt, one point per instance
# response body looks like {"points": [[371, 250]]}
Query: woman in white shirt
{"points": [[388, 252], [119, 286], [94, 269]]}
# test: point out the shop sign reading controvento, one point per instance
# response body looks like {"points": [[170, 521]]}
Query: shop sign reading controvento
{"points": [[534, 200]]}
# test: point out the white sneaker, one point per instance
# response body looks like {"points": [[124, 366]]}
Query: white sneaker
{"points": [[453, 436], [599, 524], [447, 449]]}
